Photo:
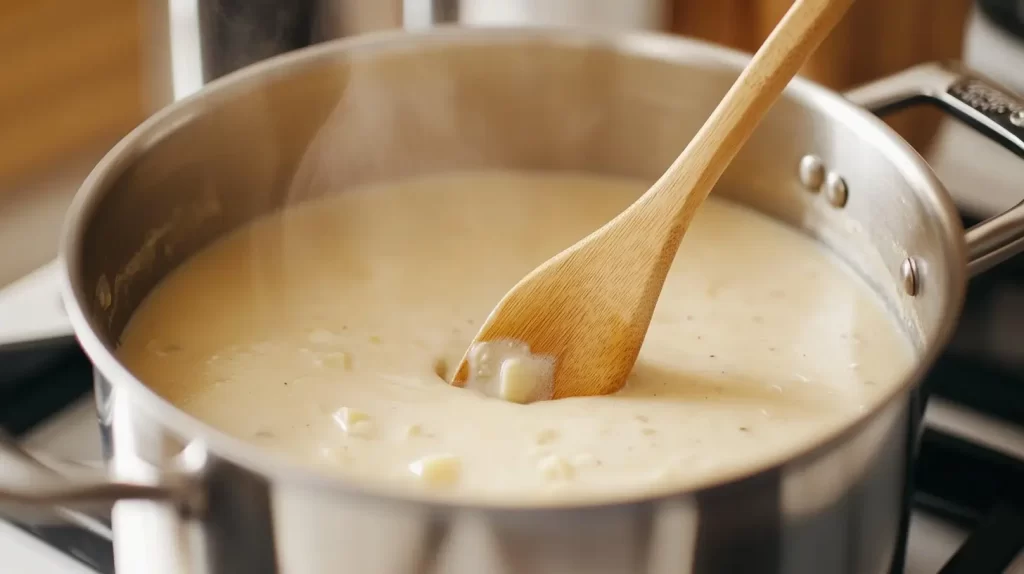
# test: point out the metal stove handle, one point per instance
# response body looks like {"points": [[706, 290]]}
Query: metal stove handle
{"points": [[34, 493], [982, 104]]}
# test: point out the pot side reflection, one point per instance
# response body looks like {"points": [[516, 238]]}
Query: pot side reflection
{"points": [[600, 104]]}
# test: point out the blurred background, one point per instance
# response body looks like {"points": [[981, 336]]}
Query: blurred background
{"points": [[80, 74]]}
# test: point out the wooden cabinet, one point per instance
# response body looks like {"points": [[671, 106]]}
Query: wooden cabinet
{"points": [[71, 77], [876, 38]]}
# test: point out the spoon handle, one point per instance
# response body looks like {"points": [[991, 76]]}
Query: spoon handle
{"points": [[690, 178]]}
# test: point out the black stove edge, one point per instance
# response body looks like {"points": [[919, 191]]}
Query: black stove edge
{"points": [[29, 403], [47, 391], [979, 385], [25, 359], [1005, 15], [978, 488], [992, 545]]}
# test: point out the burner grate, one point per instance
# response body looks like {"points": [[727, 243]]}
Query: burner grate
{"points": [[979, 489]]}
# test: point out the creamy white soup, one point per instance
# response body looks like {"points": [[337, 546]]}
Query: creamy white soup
{"points": [[322, 333]]}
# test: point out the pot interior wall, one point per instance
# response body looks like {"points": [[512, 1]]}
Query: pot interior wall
{"points": [[347, 114]]}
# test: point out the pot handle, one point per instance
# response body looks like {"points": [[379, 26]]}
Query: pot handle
{"points": [[34, 492], [983, 105]]}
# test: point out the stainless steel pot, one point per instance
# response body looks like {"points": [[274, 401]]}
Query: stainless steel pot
{"points": [[191, 499]]}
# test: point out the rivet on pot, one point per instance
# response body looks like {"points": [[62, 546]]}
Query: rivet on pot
{"points": [[812, 172], [908, 272], [835, 189], [1017, 118]]}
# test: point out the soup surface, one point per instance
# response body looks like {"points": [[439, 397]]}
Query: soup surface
{"points": [[319, 332]]}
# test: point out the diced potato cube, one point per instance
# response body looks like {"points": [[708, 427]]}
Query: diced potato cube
{"points": [[518, 382], [438, 469], [353, 422], [555, 468]]}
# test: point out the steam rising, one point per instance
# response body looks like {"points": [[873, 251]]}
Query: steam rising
{"points": [[404, 114]]}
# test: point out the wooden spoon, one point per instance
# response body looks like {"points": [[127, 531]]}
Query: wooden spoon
{"points": [[589, 307]]}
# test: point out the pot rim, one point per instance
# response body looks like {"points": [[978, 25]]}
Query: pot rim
{"points": [[672, 49]]}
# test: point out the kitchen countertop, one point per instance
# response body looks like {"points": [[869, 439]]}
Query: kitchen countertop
{"points": [[32, 213]]}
